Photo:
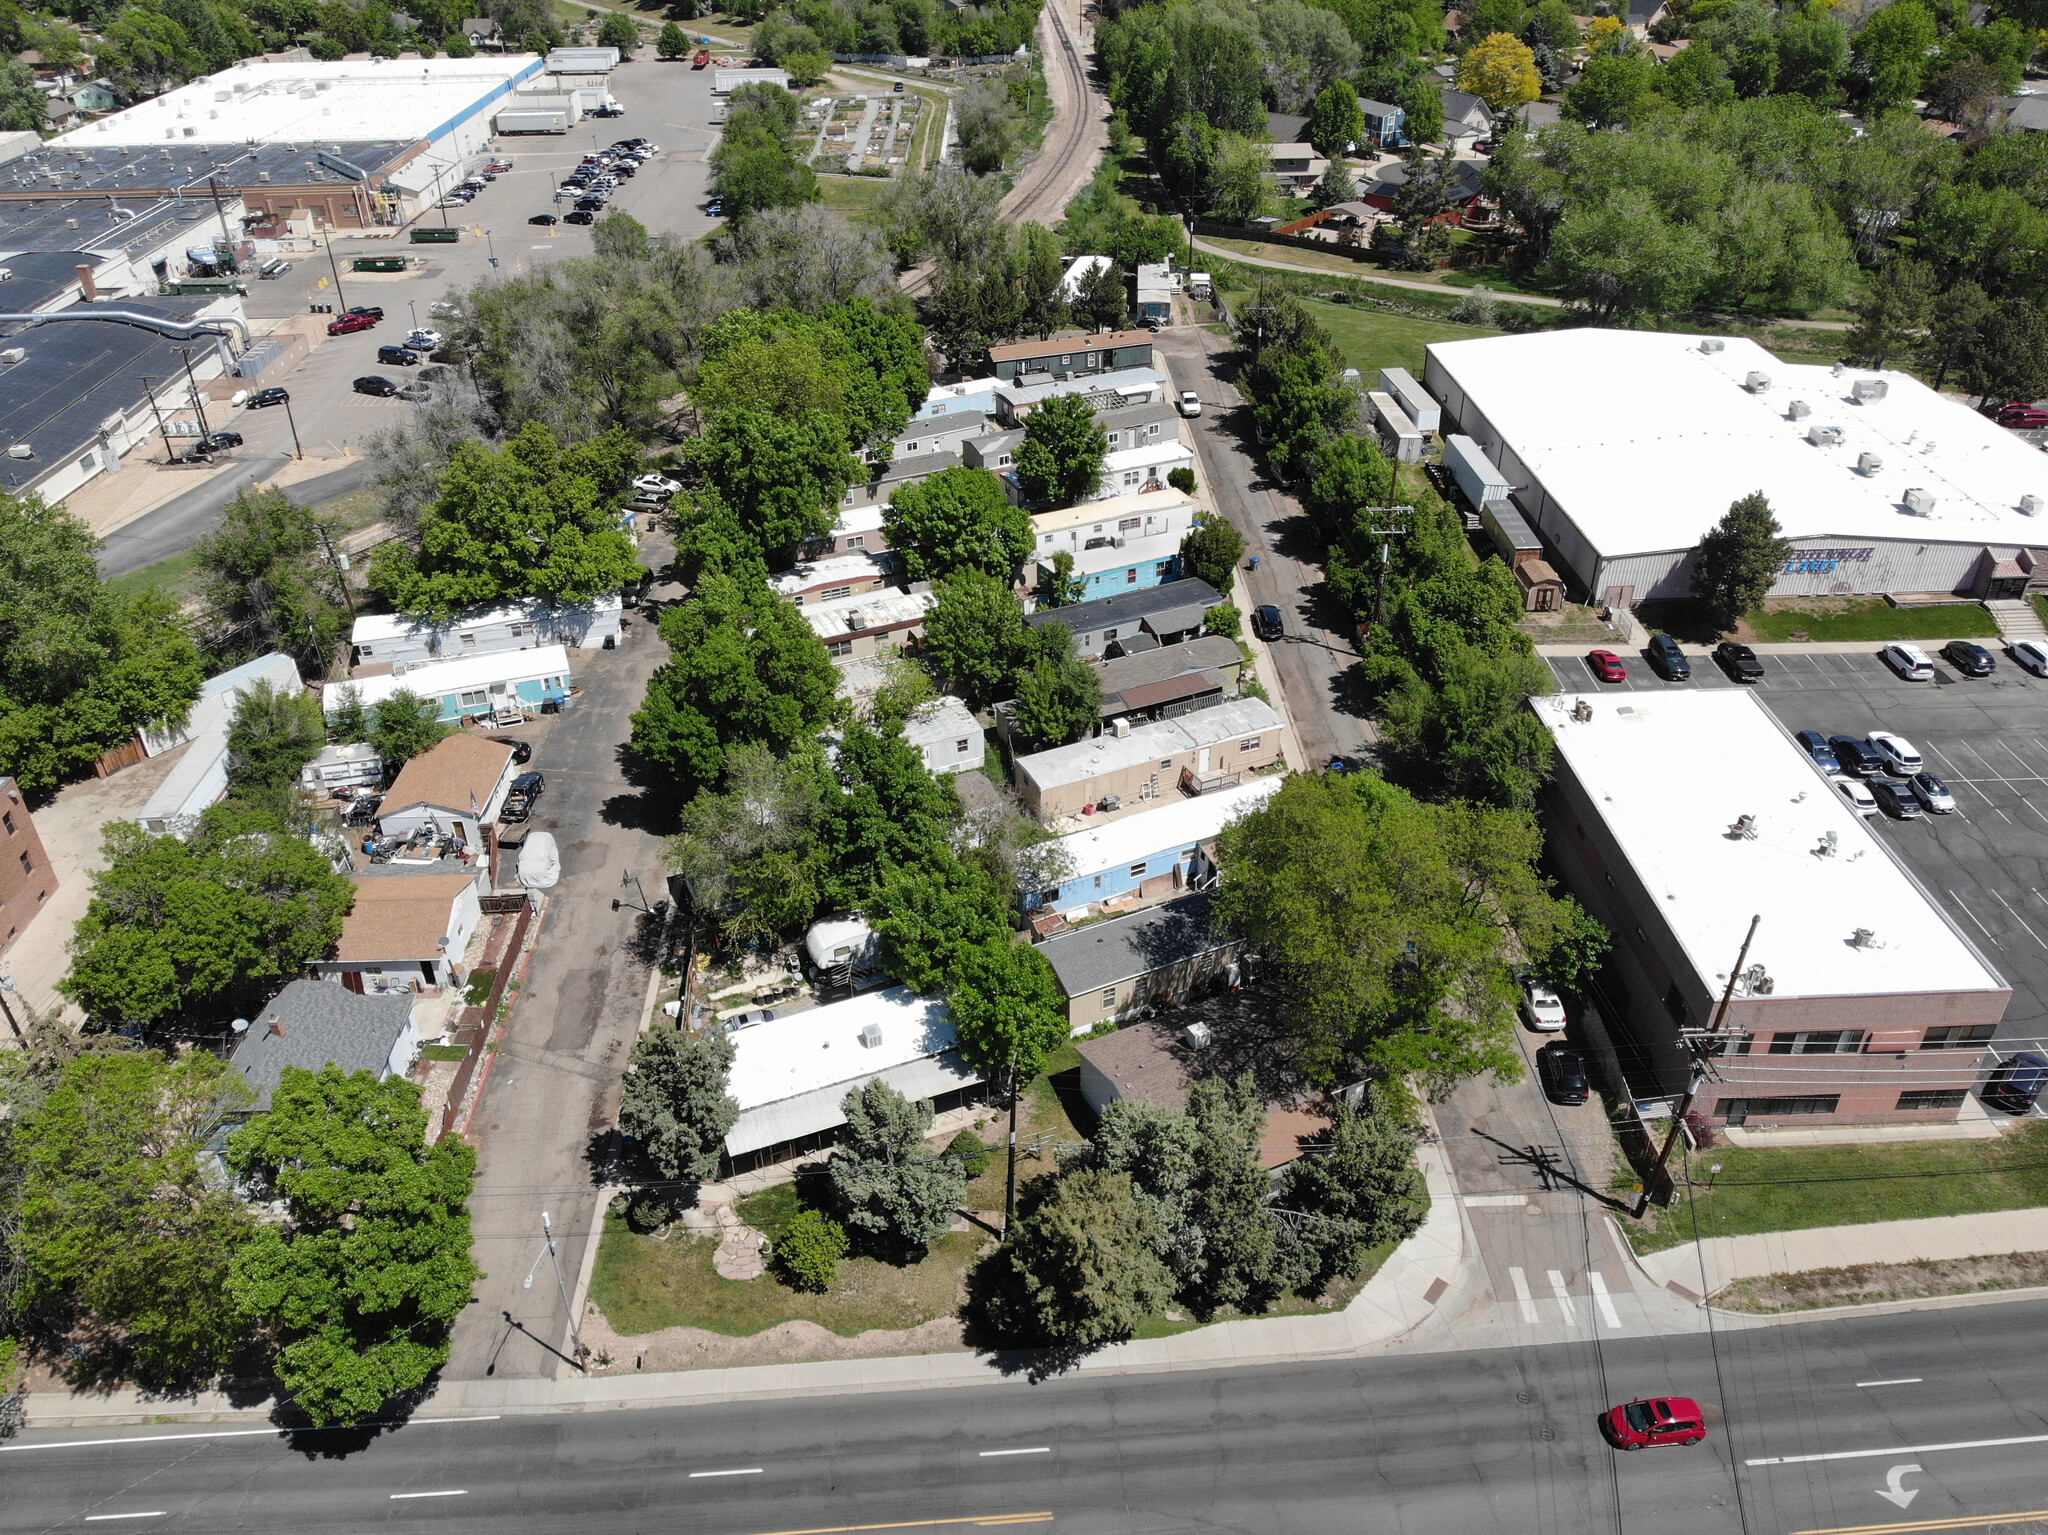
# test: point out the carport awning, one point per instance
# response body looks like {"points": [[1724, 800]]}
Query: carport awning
{"points": [[790, 1119]]}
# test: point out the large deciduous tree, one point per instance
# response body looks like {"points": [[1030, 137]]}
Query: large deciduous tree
{"points": [[892, 1192], [404, 724], [1501, 71], [1083, 1269], [959, 518], [364, 1280], [185, 931], [1363, 1185], [972, 633], [275, 732], [268, 583], [676, 1104], [1738, 559], [1211, 552], [1059, 463]]}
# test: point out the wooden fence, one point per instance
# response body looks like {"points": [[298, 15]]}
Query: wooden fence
{"points": [[478, 1028]]}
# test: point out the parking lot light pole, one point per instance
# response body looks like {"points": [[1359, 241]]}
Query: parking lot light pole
{"points": [[293, 422], [336, 267]]}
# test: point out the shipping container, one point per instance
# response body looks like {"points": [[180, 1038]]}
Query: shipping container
{"points": [[378, 264], [569, 61], [1413, 399], [1475, 473], [1398, 435], [514, 121]]}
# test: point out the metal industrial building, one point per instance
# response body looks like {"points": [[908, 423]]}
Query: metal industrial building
{"points": [[1622, 448], [1858, 998]]}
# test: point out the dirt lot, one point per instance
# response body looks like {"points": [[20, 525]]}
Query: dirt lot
{"points": [[1875, 1282]]}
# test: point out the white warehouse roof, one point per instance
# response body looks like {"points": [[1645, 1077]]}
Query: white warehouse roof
{"points": [[1708, 883], [790, 1074], [363, 99], [1131, 837], [1644, 440]]}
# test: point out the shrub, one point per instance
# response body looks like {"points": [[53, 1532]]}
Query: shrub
{"points": [[1224, 619], [648, 1213], [1182, 480], [973, 1154], [807, 1257], [478, 991]]}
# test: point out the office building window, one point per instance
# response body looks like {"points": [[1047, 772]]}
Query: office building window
{"points": [[1941, 1098], [833, 593], [1735, 1110], [839, 648], [28, 864], [7, 820], [1957, 1036], [1818, 1042]]}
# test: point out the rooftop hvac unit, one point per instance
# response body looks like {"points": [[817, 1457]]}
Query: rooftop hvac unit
{"points": [[1824, 436], [1869, 463], [11, 356], [21, 450], [1798, 410], [1120, 727], [871, 1036], [1713, 344], [1920, 502], [1758, 382], [2030, 505], [1866, 390]]}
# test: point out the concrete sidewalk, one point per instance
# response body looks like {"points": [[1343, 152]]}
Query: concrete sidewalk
{"points": [[1719, 1261]]}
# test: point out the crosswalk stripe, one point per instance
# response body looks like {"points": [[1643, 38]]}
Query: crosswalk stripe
{"points": [[1601, 1299], [1564, 1297], [1522, 1295]]}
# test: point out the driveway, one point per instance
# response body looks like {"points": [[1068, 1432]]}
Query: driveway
{"points": [[553, 1087], [1317, 665]]}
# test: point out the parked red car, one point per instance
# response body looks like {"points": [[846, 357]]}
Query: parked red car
{"points": [[1654, 1421], [2023, 418], [349, 323], [1607, 666]]}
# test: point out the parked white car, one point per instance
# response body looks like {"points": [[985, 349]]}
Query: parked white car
{"points": [[1860, 799], [1900, 754], [2031, 654], [1190, 403], [657, 485], [1909, 661], [1542, 1007]]}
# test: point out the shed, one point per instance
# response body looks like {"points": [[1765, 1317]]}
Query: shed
{"points": [[1398, 434], [946, 734], [1108, 970]]}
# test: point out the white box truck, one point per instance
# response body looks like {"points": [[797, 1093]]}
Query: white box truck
{"points": [[531, 120]]}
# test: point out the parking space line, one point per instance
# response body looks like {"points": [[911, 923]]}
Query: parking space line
{"points": [[1964, 907], [2022, 921]]}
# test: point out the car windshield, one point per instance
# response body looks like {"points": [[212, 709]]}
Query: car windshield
{"points": [[1638, 1415]]}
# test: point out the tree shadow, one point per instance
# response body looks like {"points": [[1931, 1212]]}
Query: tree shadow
{"points": [[339, 1441]]}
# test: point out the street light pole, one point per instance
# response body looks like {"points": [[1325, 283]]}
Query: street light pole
{"points": [[340, 569], [293, 422], [575, 1336], [336, 266]]}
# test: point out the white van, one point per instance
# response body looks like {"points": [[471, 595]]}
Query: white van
{"points": [[1909, 661], [1900, 755]]}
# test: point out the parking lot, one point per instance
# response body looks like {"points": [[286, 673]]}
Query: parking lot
{"points": [[1986, 864]]}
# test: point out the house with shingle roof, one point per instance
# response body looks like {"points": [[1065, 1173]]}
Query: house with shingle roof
{"points": [[408, 928], [453, 788], [311, 1024]]}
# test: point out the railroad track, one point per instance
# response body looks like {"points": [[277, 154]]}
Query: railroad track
{"points": [[1043, 191]]}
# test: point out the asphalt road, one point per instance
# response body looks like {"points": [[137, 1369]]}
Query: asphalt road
{"points": [[179, 523], [1938, 1403]]}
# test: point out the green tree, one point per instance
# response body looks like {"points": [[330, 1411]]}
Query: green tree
{"points": [[1058, 586], [1224, 619], [1347, 473], [350, 721], [1610, 91], [929, 915], [183, 930], [275, 732], [957, 518], [674, 42], [1059, 697], [675, 1103], [1082, 1270], [1551, 25], [985, 126], [1389, 925], [1952, 329], [268, 584], [118, 1225], [1624, 257], [781, 475], [1891, 48], [972, 634], [404, 725], [806, 1256], [2010, 359], [1364, 1186], [1578, 946], [1334, 186], [889, 1188], [1738, 559], [1697, 77], [1335, 122], [364, 1280], [621, 32], [1007, 1010], [1212, 552], [743, 666], [1059, 463], [81, 670], [1896, 305], [1813, 53], [1241, 185], [753, 852], [1104, 300], [530, 519], [1501, 71]]}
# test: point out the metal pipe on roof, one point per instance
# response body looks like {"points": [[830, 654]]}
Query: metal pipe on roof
{"points": [[156, 322]]}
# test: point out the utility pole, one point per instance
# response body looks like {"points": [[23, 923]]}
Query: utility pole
{"points": [[575, 1336], [338, 561], [1699, 1075], [293, 422], [1386, 536], [1010, 1194], [205, 431], [6, 989], [149, 393], [213, 186], [335, 267]]}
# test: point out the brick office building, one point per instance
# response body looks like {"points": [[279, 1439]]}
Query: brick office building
{"points": [[26, 879]]}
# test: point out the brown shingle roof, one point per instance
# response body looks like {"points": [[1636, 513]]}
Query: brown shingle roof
{"points": [[400, 918], [448, 773], [1070, 343]]}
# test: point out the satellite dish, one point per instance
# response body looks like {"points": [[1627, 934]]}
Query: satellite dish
{"points": [[240, 1025]]}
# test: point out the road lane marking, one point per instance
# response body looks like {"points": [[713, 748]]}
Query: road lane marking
{"points": [[153, 1513], [228, 1433], [1956, 1522], [1522, 1295], [1042, 1449], [452, 1492], [742, 1471], [1495, 1201], [1564, 1297], [1903, 1380], [1903, 1449], [984, 1520], [1602, 1300]]}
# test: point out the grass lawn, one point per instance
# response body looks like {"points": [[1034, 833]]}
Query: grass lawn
{"points": [[1371, 339], [853, 197], [1872, 618], [1800, 1187]]}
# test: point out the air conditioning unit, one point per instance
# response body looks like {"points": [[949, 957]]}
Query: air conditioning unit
{"points": [[1120, 727], [1921, 502], [1713, 344], [21, 450], [1197, 1035], [1798, 410], [871, 1036], [1824, 436], [1758, 382], [1869, 464], [2030, 505], [1866, 390]]}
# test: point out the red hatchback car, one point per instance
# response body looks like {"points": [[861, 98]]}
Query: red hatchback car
{"points": [[1655, 1420], [1607, 665], [348, 323]]}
